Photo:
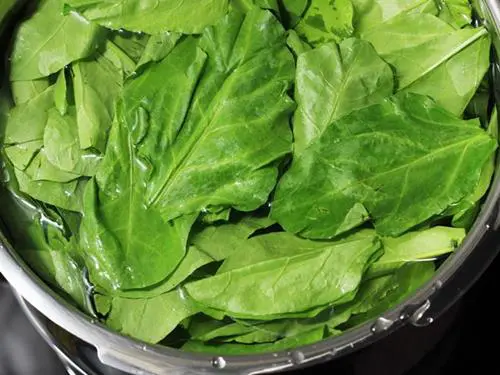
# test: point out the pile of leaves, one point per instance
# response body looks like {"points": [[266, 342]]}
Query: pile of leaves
{"points": [[240, 176]]}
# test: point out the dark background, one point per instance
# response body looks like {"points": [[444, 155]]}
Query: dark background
{"points": [[462, 339]]}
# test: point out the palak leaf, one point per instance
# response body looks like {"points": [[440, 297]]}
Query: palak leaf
{"points": [[126, 245], [433, 60], [49, 41], [326, 21], [371, 13], [332, 81], [133, 317], [24, 91], [152, 16], [310, 337], [217, 144], [378, 295], [97, 83], [457, 13], [405, 160], [416, 246], [310, 275]]}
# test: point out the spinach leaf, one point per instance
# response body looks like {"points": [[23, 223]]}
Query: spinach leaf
{"points": [[133, 317], [24, 91], [415, 247], [457, 13], [133, 45], [66, 195], [310, 337], [278, 245], [289, 12], [378, 295], [126, 245], [248, 332], [39, 237], [211, 244], [466, 211], [332, 81], [158, 47], [61, 93], [62, 147], [217, 146], [97, 85], [152, 17], [326, 21], [405, 160], [296, 44], [49, 41], [33, 112], [371, 13], [432, 62], [310, 275]]}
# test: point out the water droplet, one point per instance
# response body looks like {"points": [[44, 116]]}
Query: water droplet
{"points": [[297, 357], [381, 324], [488, 226], [404, 315], [275, 355], [218, 362], [417, 318], [144, 348]]}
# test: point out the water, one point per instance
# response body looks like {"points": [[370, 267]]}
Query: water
{"points": [[218, 363]]}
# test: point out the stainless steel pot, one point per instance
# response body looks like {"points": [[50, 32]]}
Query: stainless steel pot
{"points": [[450, 282]]}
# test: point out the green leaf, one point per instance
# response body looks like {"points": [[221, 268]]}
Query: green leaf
{"points": [[97, 84], [39, 237], [62, 147], [33, 112], [37, 176], [448, 85], [378, 295], [217, 145], [220, 242], [133, 317], [296, 44], [49, 41], [310, 337], [467, 209], [278, 245], [158, 47], [457, 13], [60, 93], [326, 21], [24, 91], [125, 244], [405, 160], [332, 81], [41, 169], [153, 17], [211, 244], [371, 13], [66, 195], [131, 44], [415, 247], [309, 275], [432, 62]]}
